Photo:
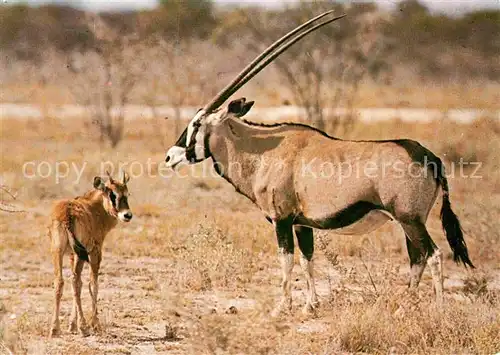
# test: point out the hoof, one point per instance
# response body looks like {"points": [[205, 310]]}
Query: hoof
{"points": [[96, 325], [54, 332], [309, 310], [84, 331], [275, 313], [72, 328]]}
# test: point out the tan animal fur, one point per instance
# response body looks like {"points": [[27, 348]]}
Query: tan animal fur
{"points": [[78, 228], [296, 175], [301, 179]]}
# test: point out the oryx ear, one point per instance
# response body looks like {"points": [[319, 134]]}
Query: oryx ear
{"points": [[99, 183], [239, 107], [246, 107], [126, 178]]}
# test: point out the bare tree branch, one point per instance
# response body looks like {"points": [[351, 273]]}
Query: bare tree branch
{"points": [[5, 206]]}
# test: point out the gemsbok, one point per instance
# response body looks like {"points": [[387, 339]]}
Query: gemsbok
{"points": [[302, 178], [78, 228]]}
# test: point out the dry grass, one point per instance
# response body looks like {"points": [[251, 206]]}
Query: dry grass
{"points": [[196, 269]]}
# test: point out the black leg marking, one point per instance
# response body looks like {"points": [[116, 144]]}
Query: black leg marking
{"points": [[418, 241], [305, 240], [285, 235], [306, 245], [420, 248]]}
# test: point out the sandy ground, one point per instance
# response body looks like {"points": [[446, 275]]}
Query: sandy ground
{"points": [[196, 270], [141, 310]]}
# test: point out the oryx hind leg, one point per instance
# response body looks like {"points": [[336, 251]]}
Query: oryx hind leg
{"points": [[58, 244], [306, 245], [73, 318], [77, 292], [435, 263], [57, 256], [422, 251], [284, 235]]}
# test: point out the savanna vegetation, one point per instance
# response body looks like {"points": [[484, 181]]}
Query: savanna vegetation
{"points": [[196, 270]]}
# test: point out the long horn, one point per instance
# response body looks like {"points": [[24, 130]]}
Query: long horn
{"points": [[222, 96], [109, 176], [276, 54]]}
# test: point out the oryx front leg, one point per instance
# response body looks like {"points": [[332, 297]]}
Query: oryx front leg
{"points": [[285, 244], [95, 263], [306, 246]]}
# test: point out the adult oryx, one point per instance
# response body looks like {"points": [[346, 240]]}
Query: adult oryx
{"points": [[302, 178]]}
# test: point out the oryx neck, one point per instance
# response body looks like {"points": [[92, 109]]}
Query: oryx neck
{"points": [[92, 196], [92, 202], [236, 153]]}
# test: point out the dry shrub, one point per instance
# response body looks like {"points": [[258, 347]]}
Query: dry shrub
{"points": [[208, 258], [358, 318], [171, 332], [375, 328], [16, 333], [251, 333], [477, 288], [377, 316], [364, 331]]}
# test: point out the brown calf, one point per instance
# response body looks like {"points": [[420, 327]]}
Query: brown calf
{"points": [[78, 228]]}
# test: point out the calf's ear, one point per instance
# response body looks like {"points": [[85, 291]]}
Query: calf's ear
{"points": [[98, 183]]}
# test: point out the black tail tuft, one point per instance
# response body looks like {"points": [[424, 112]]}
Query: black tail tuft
{"points": [[77, 247], [451, 224]]}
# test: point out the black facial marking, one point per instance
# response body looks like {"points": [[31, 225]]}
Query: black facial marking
{"points": [[206, 142], [191, 154], [112, 197], [190, 149], [182, 141], [218, 169], [123, 203]]}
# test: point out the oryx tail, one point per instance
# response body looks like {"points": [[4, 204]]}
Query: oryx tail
{"points": [[450, 222]]}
